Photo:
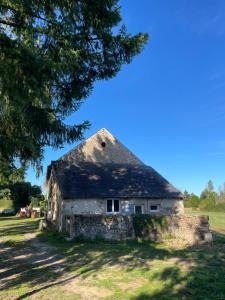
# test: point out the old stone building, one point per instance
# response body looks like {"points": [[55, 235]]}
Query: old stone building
{"points": [[102, 177]]}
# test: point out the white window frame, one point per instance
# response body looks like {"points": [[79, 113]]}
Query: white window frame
{"points": [[155, 210], [142, 208], [112, 212]]}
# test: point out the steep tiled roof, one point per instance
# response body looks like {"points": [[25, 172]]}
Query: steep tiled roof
{"points": [[94, 180], [102, 166]]}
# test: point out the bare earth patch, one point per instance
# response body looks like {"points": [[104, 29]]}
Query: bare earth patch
{"points": [[34, 241], [132, 284], [87, 291]]}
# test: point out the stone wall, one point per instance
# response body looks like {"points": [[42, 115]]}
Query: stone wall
{"points": [[104, 227], [54, 203], [192, 229]]}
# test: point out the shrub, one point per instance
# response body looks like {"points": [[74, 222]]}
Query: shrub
{"points": [[144, 225]]}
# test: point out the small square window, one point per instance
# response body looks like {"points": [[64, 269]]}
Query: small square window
{"points": [[154, 208], [113, 206]]}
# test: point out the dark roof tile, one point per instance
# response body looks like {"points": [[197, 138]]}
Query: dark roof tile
{"points": [[95, 180]]}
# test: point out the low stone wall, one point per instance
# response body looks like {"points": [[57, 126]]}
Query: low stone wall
{"points": [[192, 229], [105, 227]]}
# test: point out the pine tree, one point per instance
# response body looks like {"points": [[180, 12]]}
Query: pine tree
{"points": [[51, 53]]}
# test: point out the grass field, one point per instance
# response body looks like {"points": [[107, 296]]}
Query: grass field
{"points": [[5, 204], [50, 268], [216, 219]]}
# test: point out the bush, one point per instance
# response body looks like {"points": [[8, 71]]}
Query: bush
{"points": [[144, 225]]}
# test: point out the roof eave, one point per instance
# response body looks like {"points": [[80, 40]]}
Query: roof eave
{"points": [[122, 197]]}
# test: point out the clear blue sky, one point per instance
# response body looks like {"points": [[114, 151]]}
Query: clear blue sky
{"points": [[168, 105]]}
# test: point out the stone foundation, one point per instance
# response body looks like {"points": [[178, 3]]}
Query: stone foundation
{"points": [[191, 229]]}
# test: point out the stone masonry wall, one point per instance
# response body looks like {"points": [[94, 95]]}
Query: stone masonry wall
{"points": [[192, 229], [99, 206], [106, 227]]}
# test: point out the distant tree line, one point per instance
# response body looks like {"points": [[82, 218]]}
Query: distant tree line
{"points": [[15, 192], [209, 200]]}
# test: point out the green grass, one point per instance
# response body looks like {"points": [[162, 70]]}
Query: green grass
{"points": [[6, 204], [216, 219], [102, 270]]}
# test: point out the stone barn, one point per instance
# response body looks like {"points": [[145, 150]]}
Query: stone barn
{"points": [[101, 177]]}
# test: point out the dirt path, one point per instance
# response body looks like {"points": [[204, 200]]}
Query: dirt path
{"points": [[29, 262], [33, 240], [36, 268]]}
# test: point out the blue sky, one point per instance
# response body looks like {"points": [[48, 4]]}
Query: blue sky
{"points": [[168, 105]]}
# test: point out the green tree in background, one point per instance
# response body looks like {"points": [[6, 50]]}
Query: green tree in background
{"points": [[9, 173], [209, 200], [191, 200], [51, 53], [208, 197], [23, 192], [15, 192], [5, 199], [221, 195], [5, 194], [210, 186]]}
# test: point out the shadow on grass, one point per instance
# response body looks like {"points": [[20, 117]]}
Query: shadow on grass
{"points": [[43, 268], [12, 226], [205, 279]]}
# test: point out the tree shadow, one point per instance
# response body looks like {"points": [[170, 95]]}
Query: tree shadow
{"points": [[204, 280], [41, 267], [23, 227], [44, 268]]}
